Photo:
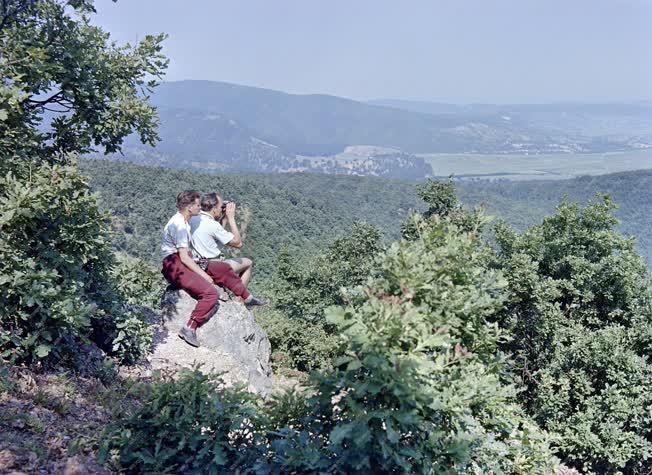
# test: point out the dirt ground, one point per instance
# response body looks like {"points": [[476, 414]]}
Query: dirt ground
{"points": [[51, 422]]}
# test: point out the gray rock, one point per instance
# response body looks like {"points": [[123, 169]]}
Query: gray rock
{"points": [[232, 342]]}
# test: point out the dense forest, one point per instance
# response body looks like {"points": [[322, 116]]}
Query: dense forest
{"points": [[523, 204], [304, 212], [301, 212]]}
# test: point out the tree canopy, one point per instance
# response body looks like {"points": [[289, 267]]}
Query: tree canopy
{"points": [[67, 88]]}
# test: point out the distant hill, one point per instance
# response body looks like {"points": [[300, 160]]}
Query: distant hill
{"points": [[216, 126], [318, 124], [615, 122]]}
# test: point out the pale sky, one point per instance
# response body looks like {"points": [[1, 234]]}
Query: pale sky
{"points": [[493, 51]]}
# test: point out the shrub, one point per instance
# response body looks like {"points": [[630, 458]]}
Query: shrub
{"points": [[307, 344], [580, 316], [59, 279], [129, 333], [126, 330], [137, 282], [419, 388], [53, 261], [189, 425]]}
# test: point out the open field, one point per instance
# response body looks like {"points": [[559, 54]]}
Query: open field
{"points": [[532, 167]]}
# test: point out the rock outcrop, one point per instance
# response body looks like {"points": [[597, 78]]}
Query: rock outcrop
{"points": [[232, 342]]}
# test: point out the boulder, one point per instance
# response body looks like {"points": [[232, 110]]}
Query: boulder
{"points": [[232, 343]]}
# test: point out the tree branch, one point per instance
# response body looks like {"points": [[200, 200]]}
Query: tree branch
{"points": [[53, 98]]}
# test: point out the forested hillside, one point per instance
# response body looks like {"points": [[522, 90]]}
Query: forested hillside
{"points": [[300, 212], [525, 203], [305, 212]]}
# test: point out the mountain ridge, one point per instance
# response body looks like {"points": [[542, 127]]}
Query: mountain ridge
{"points": [[211, 125]]}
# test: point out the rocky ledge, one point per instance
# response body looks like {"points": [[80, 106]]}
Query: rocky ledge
{"points": [[232, 343]]}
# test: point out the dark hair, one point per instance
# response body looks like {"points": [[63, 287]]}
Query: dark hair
{"points": [[209, 201], [186, 198]]}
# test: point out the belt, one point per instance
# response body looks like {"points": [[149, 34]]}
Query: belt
{"points": [[203, 262]]}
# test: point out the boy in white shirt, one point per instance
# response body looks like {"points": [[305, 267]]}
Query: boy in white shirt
{"points": [[180, 270]]}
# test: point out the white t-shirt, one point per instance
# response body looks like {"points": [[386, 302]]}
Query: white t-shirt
{"points": [[208, 237], [176, 234]]}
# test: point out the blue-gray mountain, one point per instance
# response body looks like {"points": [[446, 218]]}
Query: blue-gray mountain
{"points": [[214, 126]]}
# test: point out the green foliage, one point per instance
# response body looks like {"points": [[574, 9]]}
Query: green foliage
{"points": [[421, 387], [137, 282], [129, 333], [66, 87], [440, 197], [441, 200], [580, 316], [53, 261], [303, 288], [525, 203], [126, 330], [192, 424], [297, 343], [59, 279]]}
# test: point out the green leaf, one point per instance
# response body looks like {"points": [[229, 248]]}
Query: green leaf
{"points": [[43, 350]]}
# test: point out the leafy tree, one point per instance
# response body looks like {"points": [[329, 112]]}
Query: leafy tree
{"points": [[66, 88], [52, 260], [441, 200], [419, 386], [440, 197], [580, 318], [303, 288]]}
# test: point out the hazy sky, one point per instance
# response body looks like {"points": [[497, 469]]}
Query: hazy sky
{"points": [[453, 51]]}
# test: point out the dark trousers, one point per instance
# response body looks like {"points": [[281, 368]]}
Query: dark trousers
{"points": [[177, 274], [224, 275]]}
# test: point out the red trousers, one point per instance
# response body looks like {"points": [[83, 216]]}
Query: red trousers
{"points": [[177, 274], [224, 275]]}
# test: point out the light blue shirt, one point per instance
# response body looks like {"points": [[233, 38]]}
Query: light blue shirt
{"points": [[207, 236]]}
